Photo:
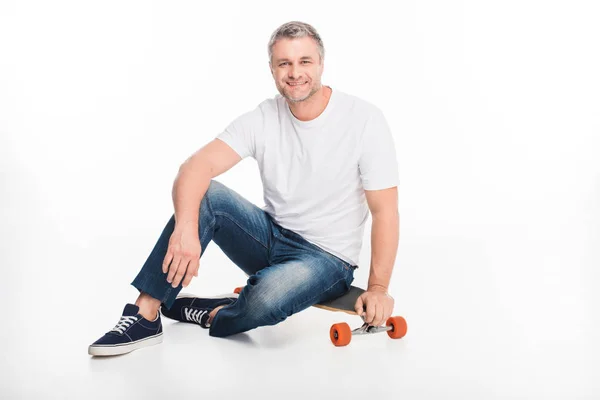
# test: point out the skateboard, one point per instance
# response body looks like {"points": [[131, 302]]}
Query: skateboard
{"points": [[340, 333]]}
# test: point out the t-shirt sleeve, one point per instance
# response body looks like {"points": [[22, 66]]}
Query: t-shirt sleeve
{"points": [[378, 163], [241, 133]]}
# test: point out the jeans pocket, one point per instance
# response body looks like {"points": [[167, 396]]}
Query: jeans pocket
{"points": [[343, 264], [348, 266], [348, 272]]}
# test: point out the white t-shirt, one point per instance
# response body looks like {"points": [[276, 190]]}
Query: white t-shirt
{"points": [[314, 173]]}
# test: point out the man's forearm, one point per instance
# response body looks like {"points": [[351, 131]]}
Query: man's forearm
{"points": [[385, 233], [190, 186]]}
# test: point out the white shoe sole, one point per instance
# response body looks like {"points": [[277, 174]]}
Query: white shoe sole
{"points": [[114, 350]]}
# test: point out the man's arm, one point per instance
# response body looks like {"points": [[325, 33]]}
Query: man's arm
{"points": [[194, 176], [383, 205], [183, 254], [385, 233]]}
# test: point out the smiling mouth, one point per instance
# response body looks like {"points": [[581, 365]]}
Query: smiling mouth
{"points": [[296, 84]]}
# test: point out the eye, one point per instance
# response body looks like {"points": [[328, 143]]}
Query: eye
{"points": [[306, 61], [283, 63]]}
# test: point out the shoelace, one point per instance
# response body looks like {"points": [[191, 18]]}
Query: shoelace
{"points": [[124, 323], [193, 315]]}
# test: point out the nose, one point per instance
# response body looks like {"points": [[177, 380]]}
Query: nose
{"points": [[293, 72]]}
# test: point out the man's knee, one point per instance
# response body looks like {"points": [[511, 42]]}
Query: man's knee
{"points": [[255, 310], [263, 309], [214, 187], [217, 194], [211, 195]]}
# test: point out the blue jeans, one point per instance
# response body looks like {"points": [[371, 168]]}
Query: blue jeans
{"points": [[286, 274]]}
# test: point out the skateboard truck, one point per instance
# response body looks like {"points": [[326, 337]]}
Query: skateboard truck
{"points": [[340, 334], [366, 329]]}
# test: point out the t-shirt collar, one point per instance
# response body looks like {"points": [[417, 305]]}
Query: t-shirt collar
{"points": [[315, 121]]}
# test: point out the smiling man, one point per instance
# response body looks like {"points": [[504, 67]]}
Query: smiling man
{"points": [[326, 159]]}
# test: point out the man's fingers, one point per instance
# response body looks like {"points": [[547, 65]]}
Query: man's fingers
{"points": [[358, 307], [190, 273], [387, 313], [378, 315], [187, 279], [196, 267], [173, 268], [374, 321], [166, 262], [180, 272], [370, 313]]}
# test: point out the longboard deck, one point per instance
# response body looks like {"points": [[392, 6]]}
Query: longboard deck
{"points": [[344, 303]]}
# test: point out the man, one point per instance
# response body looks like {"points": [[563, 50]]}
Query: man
{"points": [[326, 158]]}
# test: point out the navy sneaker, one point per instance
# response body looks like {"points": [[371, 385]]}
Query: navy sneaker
{"points": [[132, 332], [196, 310]]}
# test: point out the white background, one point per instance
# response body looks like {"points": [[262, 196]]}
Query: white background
{"points": [[495, 109]]}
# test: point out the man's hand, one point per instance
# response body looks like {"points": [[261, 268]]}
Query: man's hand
{"points": [[183, 255], [379, 306]]}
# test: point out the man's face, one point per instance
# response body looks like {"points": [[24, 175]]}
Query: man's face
{"points": [[297, 68]]}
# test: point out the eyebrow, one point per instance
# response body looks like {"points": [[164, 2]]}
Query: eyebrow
{"points": [[285, 59]]}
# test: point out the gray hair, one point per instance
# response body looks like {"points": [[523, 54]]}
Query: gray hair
{"points": [[296, 29]]}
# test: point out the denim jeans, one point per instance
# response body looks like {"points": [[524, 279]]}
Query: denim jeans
{"points": [[286, 273]]}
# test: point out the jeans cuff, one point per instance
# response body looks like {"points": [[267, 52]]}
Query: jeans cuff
{"points": [[164, 293]]}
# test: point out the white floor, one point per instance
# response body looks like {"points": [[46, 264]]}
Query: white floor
{"points": [[471, 334]]}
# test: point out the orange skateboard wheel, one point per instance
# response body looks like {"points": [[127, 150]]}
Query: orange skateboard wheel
{"points": [[398, 325], [237, 290], [340, 334]]}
